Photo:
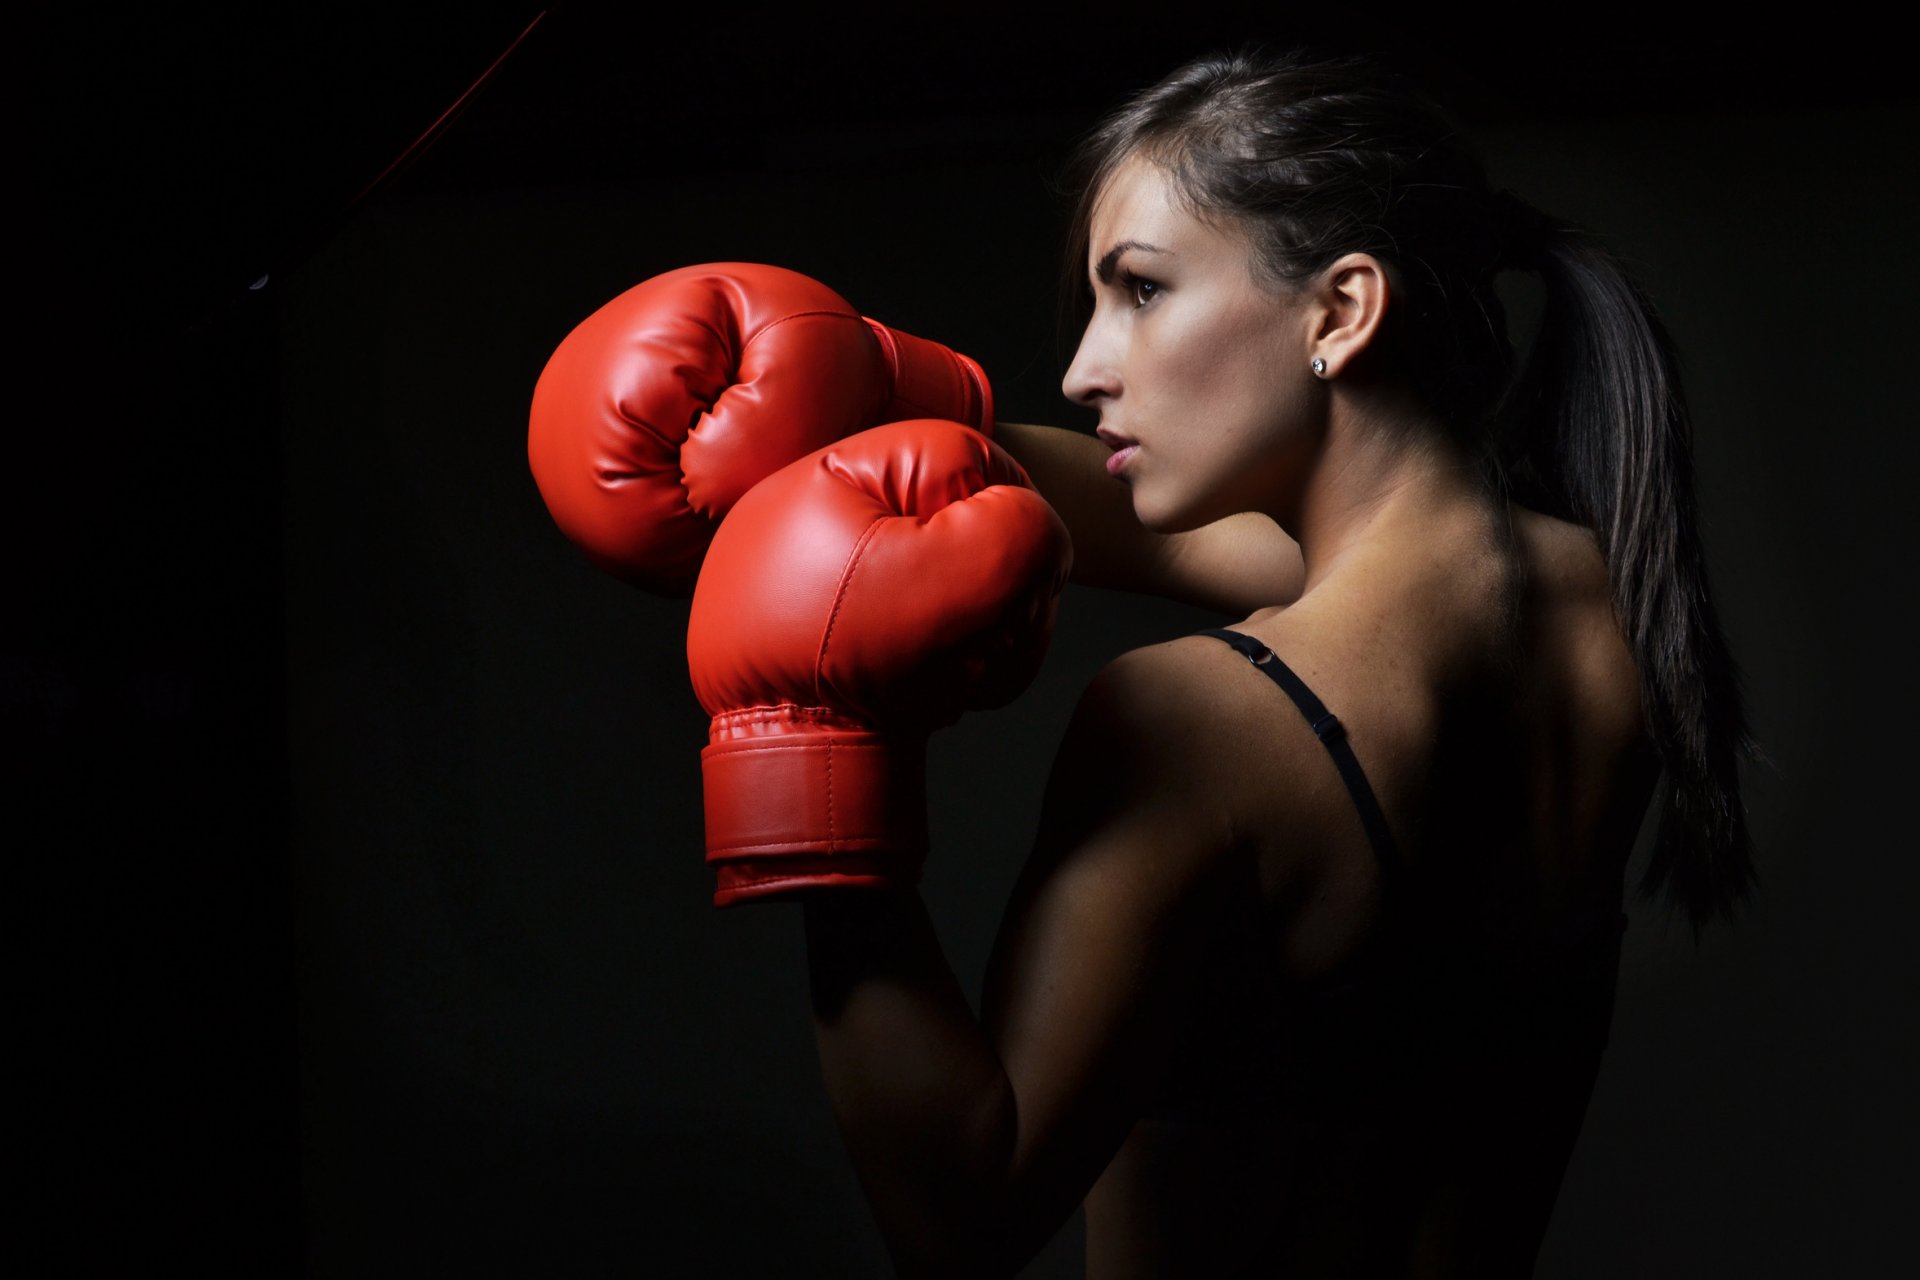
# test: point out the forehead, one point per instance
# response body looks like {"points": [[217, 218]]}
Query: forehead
{"points": [[1140, 203]]}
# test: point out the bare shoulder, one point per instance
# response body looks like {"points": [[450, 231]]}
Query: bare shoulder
{"points": [[1191, 729], [1568, 551], [1196, 707], [1152, 750], [1150, 719], [1569, 614], [1182, 690]]}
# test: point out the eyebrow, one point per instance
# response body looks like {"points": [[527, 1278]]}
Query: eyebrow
{"points": [[1103, 271]]}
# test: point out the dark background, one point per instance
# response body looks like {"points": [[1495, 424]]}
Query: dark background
{"points": [[367, 931]]}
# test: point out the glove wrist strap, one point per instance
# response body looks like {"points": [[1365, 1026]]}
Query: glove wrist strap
{"points": [[800, 798]]}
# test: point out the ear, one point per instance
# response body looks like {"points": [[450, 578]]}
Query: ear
{"points": [[1349, 304]]}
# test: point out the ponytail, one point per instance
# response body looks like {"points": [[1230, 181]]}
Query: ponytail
{"points": [[1596, 431]]}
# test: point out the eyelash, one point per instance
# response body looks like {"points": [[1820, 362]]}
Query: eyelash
{"points": [[1133, 284]]}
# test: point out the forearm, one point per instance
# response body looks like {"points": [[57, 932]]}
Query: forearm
{"points": [[1236, 565], [1110, 547], [921, 1097]]}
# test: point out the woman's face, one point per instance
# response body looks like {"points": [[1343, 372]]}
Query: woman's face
{"points": [[1199, 371]]}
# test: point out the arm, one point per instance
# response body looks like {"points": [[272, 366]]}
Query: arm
{"points": [[1236, 565], [975, 1137]]}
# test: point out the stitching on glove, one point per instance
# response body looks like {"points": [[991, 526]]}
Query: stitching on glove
{"points": [[757, 334], [808, 882], [749, 745], [772, 712], [882, 843], [839, 598]]}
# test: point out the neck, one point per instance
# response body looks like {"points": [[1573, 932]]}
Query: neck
{"points": [[1388, 475]]}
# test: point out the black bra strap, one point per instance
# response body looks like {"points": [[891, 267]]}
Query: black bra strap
{"points": [[1327, 727]]}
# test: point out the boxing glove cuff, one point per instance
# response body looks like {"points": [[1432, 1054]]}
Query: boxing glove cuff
{"points": [[803, 797], [932, 381]]}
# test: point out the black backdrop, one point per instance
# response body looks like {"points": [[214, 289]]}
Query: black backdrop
{"points": [[359, 836]]}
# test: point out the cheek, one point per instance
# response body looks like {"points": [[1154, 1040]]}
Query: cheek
{"points": [[1239, 341], [1195, 371], [1248, 397], [1254, 430]]}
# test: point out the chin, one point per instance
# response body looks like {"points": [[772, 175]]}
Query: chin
{"points": [[1165, 527], [1156, 519], [1161, 515]]}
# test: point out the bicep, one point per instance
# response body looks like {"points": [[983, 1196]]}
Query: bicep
{"points": [[1095, 954]]}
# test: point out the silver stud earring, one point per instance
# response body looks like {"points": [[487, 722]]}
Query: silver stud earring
{"points": [[1319, 367]]}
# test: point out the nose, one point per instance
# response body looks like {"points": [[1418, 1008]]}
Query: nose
{"points": [[1093, 376]]}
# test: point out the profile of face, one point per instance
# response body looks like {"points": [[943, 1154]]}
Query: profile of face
{"points": [[1198, 369]]}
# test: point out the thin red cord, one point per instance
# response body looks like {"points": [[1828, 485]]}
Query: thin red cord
{"points": [[425, 140]]}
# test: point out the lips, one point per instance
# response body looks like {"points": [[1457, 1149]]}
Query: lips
{"points": [[1123, 449]]}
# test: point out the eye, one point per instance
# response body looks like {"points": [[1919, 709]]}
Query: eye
{"points": [[1140, 289]]}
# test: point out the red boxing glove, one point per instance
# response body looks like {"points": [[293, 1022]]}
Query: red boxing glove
{"points": [[664, 406], [852, 603]]}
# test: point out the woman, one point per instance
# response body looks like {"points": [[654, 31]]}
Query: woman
{"points": [[1321, 988]]}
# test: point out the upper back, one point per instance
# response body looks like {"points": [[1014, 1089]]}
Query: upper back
{"points": [[1385, 1064], [1495, 710]]}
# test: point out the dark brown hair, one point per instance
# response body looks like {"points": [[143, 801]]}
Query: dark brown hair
{"points": [[1321, 157]]}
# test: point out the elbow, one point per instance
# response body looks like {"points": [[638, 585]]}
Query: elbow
{"points": [[986, 1251], [972, 1219], [955, 1240]]}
